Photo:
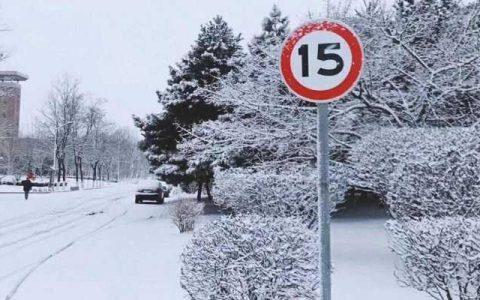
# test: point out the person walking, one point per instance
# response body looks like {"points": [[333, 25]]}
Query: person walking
{"points": [[27, 187]]}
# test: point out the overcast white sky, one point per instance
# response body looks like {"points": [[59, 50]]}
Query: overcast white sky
{"points": [[119, 49]]}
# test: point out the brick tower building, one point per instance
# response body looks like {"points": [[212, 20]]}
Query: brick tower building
{"points": [[10, 94]]}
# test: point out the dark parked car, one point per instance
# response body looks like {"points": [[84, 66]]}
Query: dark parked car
{"points": [[150, 191]]}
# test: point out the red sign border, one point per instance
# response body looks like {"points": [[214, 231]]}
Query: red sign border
{"points": [[343, 88]]}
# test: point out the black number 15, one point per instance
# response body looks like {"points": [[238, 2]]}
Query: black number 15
{"points": [[303, 51]]}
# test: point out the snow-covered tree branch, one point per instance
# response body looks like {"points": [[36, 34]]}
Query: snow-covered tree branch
{"points": [[439, 256]]}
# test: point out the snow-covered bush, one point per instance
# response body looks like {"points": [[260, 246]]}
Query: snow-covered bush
{"points": [[292, 192], [184, 214], [251, 257], [439, 256], [421, 172]]}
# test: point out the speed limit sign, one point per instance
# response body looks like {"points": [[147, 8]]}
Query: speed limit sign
{"points": [[322, 61]]}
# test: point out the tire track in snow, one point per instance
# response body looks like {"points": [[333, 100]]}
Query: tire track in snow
{"points": [[78, 222], [15, 289], [55, 216], [40, 232], [14, 221], [55, 234]]}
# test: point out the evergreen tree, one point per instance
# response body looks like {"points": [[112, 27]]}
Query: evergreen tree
{"points": [[216, 53], [274, 31], [264, 47]]}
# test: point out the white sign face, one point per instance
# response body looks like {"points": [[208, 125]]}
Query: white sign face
{"points": [[321, 60]]}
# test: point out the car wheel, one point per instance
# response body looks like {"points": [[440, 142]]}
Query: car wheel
{"points": [[138, 201], [160, 200]]}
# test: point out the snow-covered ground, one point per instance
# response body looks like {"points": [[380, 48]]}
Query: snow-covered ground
{"points": [[363, 265], [98, 244], [88, 245]]}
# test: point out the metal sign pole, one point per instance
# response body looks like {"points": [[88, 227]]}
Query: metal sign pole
{"points": [[296, 67], [324, 265]]}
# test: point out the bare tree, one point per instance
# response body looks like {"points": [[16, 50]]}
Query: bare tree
{"points": [[126, 159], [96, 149], [62, 112]]}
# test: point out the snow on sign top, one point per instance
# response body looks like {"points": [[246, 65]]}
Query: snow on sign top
{"points": [[321, 61]]}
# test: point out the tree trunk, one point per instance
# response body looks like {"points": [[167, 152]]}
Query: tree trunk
{"points": [[207, 185], [64, 170], [75, 158], [94, 168], [81, 168], [449, 296], [51, 177], [76, 170], [199, 192], [59, 169], [77, 167]]}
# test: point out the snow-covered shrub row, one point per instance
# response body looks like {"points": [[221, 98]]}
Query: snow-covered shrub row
{"points": [[184, 214], [289, 193], [251, 257], [439, 256], [421, 172]]}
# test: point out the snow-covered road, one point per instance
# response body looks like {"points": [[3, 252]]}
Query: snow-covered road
{"points": [[88, 245], [99, 245]]}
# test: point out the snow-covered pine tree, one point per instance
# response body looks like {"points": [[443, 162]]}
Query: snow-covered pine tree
{"points": [[254, 75], [274, 31], [269, 132], [216, 53]]}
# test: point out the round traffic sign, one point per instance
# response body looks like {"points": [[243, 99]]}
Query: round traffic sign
{"points": [[322, 61]]}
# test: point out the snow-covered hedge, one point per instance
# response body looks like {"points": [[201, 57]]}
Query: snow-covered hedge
{"points": [[292, 192], [421, 172], [439, 256], [251, 257], [184, 214]]}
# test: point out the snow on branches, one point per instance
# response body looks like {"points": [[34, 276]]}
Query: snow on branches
{"points": [[266, 125], [422, 65], [439, 256], [289, 193], [421, 172], [251, 257], [184, 213]]}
